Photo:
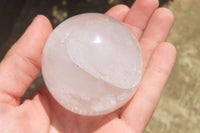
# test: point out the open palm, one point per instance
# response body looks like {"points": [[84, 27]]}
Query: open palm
{"points": [[41, 113]]}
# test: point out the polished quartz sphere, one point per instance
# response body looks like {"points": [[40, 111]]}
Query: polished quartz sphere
{"points": [[92, 64]]}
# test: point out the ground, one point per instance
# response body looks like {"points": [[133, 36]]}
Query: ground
{"points": [[179, 108]]}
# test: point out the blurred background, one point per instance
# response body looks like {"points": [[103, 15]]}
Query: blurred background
{"points": [[179, 108]]}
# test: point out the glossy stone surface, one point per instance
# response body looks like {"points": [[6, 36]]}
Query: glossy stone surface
{"points": [[92, 64]]}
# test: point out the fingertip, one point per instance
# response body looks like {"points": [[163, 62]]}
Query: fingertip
{"points": [[39, 29], [118, 12], [146, 4], [159, 25], [162, 60], [122, 7], [42, 23], [165, 14], [139, 15], [31, 43], [44, 20], [169, 48]]}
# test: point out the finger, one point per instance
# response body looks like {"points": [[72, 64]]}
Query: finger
{"points": [[159, 25], [138, 112], [139, 15], [118, 12], [156, 32], [21, 65]]}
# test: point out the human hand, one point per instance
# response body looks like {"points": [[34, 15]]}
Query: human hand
{"points": [[41, 113]]}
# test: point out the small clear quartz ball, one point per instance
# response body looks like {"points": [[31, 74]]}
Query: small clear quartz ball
{"points": [[92, 64]]}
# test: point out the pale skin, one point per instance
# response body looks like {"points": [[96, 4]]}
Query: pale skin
{"points": [[42, 114]]}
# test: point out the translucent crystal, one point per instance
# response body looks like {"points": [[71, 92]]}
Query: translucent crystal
{"points": [[92, 64]]}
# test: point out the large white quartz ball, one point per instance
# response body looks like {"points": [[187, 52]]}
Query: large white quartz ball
{"points": [[92, 64]]}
